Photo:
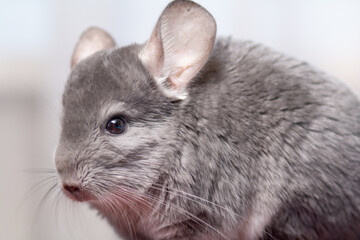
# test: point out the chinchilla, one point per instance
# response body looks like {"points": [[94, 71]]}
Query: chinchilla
{"points": [[192, 137]]}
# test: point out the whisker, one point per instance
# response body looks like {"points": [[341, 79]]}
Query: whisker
{"points": [[190, 197], [193, 198], [47, 194], [34, 189], [40, 205], [150, 206], [37, 170], [202, 199], [112, 205], [129, 203], [193, 217]]}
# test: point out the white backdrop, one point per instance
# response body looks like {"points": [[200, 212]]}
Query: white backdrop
{"points": [[36, 41]]}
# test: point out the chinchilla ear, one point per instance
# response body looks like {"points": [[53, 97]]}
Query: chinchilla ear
{"points": [[179, 46], [91, 41]]}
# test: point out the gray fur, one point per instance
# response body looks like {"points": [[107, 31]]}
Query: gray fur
{"points": [[265, 139]]}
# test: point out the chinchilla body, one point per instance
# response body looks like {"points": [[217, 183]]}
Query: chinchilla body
{"points": [[277, 138], [233, 142]]}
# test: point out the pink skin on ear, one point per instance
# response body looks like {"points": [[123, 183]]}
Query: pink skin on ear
{"points": [[179, 46], [92, 40]]}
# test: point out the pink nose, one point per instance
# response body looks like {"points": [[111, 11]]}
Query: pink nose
{"points": [[76, 191], [73, 189]]}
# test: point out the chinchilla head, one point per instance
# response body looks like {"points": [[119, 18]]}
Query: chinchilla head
{"points": [[119, 105]]}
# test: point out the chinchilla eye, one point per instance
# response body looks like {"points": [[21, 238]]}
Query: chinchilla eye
{"points": [[116, 125]]}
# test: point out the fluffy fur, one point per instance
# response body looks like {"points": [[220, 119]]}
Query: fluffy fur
{"points": [[263, 147]]}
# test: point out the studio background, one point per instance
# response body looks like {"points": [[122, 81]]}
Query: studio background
{"points": [[37, 38]]}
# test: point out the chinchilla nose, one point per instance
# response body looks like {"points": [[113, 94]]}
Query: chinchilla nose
{"points": [[76, 192], [73, 189]]}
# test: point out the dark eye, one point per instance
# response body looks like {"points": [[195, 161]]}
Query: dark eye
{"points": [[116, 125]]}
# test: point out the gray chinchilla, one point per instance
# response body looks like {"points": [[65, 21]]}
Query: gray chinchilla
{"points": [[188, 137]]}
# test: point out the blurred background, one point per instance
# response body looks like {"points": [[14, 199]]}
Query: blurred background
{"points": [[36, 42]]}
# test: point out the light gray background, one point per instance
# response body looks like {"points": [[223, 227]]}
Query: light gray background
{"points": [[36, 41]]}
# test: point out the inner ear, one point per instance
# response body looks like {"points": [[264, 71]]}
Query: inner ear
{"points": [[92, 40], [179, 46]]}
